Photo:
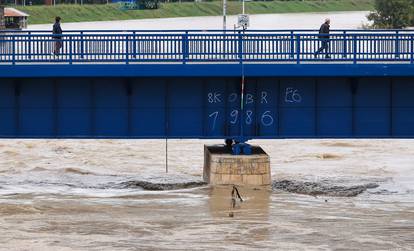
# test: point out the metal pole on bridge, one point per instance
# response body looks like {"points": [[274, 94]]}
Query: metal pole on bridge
{"points": [[224, 15]]}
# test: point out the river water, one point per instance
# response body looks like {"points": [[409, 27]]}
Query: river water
{"points": [[107, 194], [340, 20], [80, 195]]}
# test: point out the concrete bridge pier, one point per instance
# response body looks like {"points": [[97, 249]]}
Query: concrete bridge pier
{"points": [[222, 167]]}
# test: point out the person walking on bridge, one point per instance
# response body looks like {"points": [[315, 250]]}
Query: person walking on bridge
{"points": [[57, 30], [324, 38]]}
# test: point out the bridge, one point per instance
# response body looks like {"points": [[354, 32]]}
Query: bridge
{"points": [[235, 85]]}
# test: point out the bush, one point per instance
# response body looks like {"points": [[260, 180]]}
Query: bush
{"points": [[149, 4], [392, 14]]}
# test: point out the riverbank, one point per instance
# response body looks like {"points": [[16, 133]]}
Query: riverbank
{"points": [[111, 12]]}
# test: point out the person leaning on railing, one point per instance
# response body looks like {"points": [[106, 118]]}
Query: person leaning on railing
{"points": [[57, 30], [324, 38]]}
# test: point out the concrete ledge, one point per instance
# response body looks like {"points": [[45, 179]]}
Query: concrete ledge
{"points": [[221, 167]]}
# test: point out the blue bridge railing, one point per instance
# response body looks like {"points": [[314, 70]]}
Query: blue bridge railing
{"points": [[192, 46]]}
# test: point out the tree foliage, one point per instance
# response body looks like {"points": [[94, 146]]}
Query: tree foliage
{"points": [[392, 14]]}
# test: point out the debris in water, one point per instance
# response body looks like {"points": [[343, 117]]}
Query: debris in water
{"points": [[326, 156], [234, 196], [160, 186], [315, 189], [384, 192]]}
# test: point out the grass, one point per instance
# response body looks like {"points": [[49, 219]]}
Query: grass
{"points": [[78, 13]]}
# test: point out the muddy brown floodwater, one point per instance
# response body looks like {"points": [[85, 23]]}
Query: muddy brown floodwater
{"points": [[115, 195]]}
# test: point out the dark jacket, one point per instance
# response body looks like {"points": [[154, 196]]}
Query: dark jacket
{"points": [[57, 30], [324, 31]]}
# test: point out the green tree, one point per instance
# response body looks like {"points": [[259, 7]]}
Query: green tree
{"points": [[412, 13], [1, 15], [392, 14]]}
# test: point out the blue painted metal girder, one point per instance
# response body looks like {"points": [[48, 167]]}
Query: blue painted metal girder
{"points": [[201, 107], [207, 70]]}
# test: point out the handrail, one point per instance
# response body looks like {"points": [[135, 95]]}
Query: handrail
{"points": [[334, 31], [185, 47], [207, 34], [215, 30]]}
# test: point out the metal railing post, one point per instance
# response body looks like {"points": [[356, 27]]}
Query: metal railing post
{"points": [[81, 45], [184, 47], [29, 46], [134, 44], [412, 49], [397, 44], [355, 48], [292, 45], [240, 47], [298, 49], [70, 50], [13, 50], [127, 49], [344, 45]]}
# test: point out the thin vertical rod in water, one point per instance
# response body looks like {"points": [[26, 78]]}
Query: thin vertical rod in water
{"points": [[242, 105], [166, 155]]}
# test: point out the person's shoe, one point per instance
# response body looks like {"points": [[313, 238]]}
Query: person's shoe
{"points": [[315, 55], [328, 57]]}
